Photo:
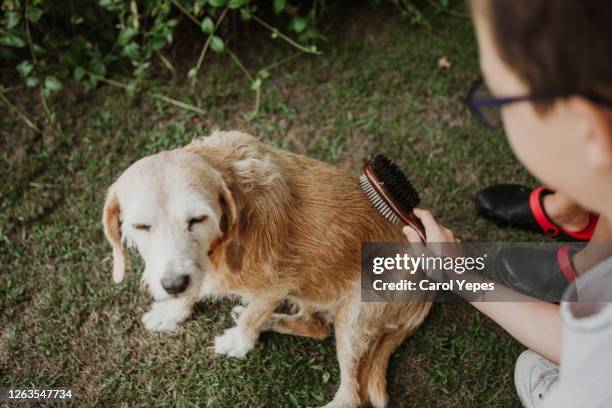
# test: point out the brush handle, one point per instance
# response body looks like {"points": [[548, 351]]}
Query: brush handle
{"points": [[414, 222]]}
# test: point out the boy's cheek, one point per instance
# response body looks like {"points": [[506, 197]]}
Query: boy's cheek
{"points": [[526, 135], [537, 141], [518, 127]]}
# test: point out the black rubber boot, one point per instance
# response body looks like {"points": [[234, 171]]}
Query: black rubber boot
{"points": [[543, 273], [507, 205]]}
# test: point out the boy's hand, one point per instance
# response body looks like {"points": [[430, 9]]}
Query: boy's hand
{"points": [[433, 231], [437, 235]]}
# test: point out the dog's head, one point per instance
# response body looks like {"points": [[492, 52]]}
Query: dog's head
{"points": [[176, 209]]}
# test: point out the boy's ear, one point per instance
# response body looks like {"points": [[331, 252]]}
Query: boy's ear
{"points": [[598, 131], [111, 220]]}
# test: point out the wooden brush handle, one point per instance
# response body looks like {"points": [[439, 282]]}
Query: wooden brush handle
{"points": [[415, 223]]}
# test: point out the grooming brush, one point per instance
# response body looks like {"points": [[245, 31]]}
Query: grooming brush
{"points": [[391, 192]]}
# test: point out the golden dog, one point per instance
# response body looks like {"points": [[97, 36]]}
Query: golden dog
{"points": [[228, 215]]}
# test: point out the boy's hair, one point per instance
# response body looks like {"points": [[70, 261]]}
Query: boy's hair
{"points": [[556, 46]]}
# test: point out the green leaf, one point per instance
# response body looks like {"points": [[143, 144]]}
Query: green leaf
{"points": [[52, 84], [34, 14], [12, 19], [31, 82], [24, 68], [131, 51], [256, 84], [298, 24], [97, 67], [192, 72], [131, 86], [79, 73], [38, 50], [157, 44], [207, 25], [141, 68], [11, 40], [76, 20], [217, 3], [235, 4], [279, 6], [245, 14], [216, 44], [125, 35], [263, 73]]}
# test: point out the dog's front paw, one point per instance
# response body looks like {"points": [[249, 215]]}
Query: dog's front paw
{"points": [[234, 342], [155, 320], [165, 316]]}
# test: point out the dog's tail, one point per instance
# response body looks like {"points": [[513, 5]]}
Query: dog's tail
{"points": [[378, 360], [374, 380]]}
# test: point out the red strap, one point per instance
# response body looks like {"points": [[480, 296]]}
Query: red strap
{"points": [[535, 203], [565, 264], [550, 228], [587, 233]]}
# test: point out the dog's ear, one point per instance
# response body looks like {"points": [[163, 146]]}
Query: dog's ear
{"points": [[111, 219], [229, 214], [229, 225]]}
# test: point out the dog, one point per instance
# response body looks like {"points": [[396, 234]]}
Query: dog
{"points": [[229, 215]]}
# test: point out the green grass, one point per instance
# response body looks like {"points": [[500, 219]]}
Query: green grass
{"points": [[376, 89]]}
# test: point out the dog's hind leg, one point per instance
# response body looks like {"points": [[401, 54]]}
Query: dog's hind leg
{"points": [[239, 340], [352, 345], [379, 356], [307, 324]]}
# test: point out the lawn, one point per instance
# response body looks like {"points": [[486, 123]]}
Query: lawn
{"points": [[376, 88]]}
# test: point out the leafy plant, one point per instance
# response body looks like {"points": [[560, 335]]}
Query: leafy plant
{"points": [[50, 42]]}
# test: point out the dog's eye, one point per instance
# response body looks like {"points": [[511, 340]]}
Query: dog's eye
{"points": [[142, 227], [196, 220]]}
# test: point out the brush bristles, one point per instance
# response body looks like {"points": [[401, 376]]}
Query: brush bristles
{"points": [[397, 186], [378, 201]]}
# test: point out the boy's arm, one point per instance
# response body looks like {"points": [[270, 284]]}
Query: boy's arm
{"points": [[534, 323]]}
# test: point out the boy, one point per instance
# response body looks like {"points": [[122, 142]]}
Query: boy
{"points": [[548, 65]]}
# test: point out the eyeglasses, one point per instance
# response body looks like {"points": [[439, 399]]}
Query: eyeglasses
{"points": [[487, 108]]}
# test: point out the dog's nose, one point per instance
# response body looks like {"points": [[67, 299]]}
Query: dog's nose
{"points": [[175, 284]]}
